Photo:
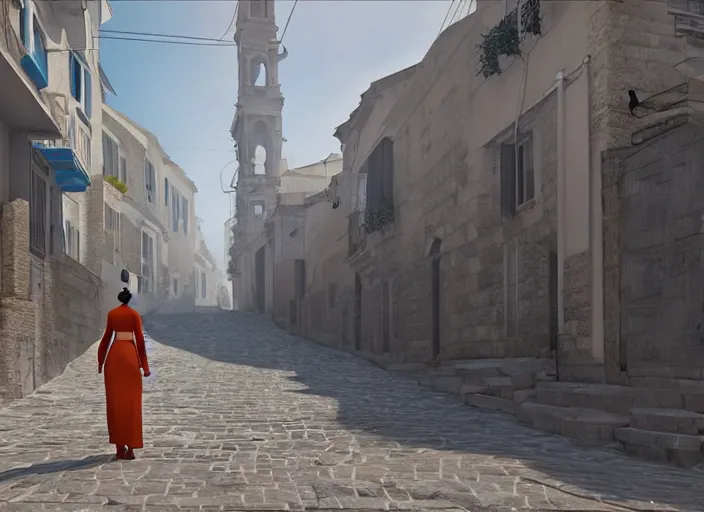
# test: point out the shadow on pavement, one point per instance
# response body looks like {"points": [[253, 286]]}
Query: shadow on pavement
{"points": [[55, 466], [394, 408]]}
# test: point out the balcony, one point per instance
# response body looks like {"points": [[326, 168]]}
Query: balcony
{"points": [[70, 175], [21, 105], [689, 24], [356, 236]]}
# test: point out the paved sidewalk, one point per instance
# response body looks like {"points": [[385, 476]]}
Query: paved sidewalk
{"points": [[242, 416]]}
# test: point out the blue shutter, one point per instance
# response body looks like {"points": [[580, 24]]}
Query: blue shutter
{"points": [[24, 26], [89, 92], [72, 65]]}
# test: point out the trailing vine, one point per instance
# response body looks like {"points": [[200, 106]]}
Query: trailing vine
{"points": [[505, 39], [115, 182], [377, 219]]}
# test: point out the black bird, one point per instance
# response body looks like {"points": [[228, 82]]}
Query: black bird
{"points": [[634, 101]]}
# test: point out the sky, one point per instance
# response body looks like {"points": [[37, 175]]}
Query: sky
{"points": [[186, 95]]}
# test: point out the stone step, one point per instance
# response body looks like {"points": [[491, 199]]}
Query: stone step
{"points": [[587, 425], [679, 449], [676, 421], [606, 397], [490, 402]]}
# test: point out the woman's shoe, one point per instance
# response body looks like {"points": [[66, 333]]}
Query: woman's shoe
{"points": [[129, 454], [120, 452]]}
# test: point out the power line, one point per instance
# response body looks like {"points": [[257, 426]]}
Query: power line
{"points": [[459, 6], [452, 2], [141, 40], [232, 21], [154, 34], [290, 15]]}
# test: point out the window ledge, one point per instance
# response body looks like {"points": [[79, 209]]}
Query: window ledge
{"points": [[528, 205], [84, 118]]}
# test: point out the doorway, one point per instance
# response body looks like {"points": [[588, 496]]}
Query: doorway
{"points": [[260, 279], [357, 312]]}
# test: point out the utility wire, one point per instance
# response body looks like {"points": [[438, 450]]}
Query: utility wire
{"points": [[452, 2], [232, 21], [154, 34], [141, 40], [290, 15], [460, 4]]}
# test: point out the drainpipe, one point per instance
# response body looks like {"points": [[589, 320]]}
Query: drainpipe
{"points": [[596, 219], [560, 84]]}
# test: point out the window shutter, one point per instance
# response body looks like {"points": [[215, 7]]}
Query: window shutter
{"points": [[78, 245], [73, 65], [166, 191], [508, 180], [25, 17], [89, 93], [106, 146], [387, 174]]}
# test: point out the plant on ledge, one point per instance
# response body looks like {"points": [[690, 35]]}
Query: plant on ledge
{"points": [[116, 183], [505, 39], [377, 219]]}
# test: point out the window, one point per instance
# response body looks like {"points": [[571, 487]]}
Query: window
{"points": [[166, 191], [175, 282], [258, 209], [511, 289], [148, 262], [380, 177], [184, 214], [202, 284], [112, 234], [72, 234], [258, 8], [36, 66], [72, 240], [38, 206], [81, 84], [123, 170], [150, 181], [175, 209], [83, 147], [517, 175], [110, 157]]}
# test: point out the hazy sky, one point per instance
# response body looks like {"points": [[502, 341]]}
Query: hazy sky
{"points": [[185, 95]]}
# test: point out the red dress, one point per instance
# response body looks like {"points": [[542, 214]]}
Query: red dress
{"points": [[123, 379]]}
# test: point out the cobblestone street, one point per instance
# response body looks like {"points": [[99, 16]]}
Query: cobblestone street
{"points": [[242, 416]]}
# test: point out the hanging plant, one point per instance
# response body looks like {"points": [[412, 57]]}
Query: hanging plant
{"points": [[501, 40], [115, 182], [530, 17], [377, 219], [505, 39]]}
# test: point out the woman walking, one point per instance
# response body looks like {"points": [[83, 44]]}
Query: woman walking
{"points": [[123, 379]]}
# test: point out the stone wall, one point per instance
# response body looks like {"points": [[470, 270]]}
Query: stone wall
{"points": [[49, 308]]}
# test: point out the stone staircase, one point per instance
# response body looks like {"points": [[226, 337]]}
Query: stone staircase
{"points": [[497, 384], [659, 419]]}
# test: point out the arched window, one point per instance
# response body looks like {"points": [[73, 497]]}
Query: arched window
{"points": [[258, 73], [257, 8], [259, 160]]}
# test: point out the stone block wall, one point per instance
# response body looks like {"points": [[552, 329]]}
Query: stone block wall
{"points": [[49, 308]]}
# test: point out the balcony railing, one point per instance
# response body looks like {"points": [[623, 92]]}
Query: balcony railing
{"points": [[356, 235], [689, 17]]}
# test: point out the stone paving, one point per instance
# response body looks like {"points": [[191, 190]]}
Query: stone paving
{"points": [[242, 416]]}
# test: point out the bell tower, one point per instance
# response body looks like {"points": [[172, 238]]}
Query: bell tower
{"points": [[257, 132]]}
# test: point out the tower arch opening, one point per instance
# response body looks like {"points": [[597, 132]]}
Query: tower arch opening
{"points": [[261, 142], [258, 8], [258, 72]]}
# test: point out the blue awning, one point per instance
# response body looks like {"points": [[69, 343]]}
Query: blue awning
{"points": [[69, 173]]}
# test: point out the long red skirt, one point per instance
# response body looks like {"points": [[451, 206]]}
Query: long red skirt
{"points": [[123, 393]]}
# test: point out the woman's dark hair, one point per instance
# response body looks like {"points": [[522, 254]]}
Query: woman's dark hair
{"points": [[124, 296]]}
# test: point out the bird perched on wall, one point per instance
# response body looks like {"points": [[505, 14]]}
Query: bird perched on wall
{"points": [[634, 101]]}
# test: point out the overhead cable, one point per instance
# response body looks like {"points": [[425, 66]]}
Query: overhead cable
{"points": [[290, 15]]}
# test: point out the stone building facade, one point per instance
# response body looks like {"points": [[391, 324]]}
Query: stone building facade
{"points": [[49, 114], [475, 227], [153, 234]]}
